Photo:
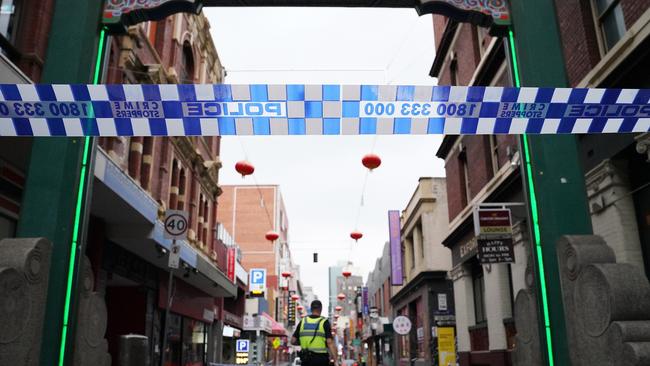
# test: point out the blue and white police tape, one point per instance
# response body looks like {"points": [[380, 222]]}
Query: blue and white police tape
{"points": [[220, 109]]}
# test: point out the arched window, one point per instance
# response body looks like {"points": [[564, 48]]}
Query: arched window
{"points": [[173, 190], [186, 74], [181, 190]]}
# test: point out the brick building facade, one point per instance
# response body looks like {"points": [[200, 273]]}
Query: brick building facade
{"points": [[605, 44], [135, 180], [248, 213], [479, 170]]}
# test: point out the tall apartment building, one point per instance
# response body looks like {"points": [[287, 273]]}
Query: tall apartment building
{"points": [[333, 273], [248, 213]]}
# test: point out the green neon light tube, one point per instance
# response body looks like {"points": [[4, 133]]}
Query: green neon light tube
{"points": [[534, 216], [74, 246]]}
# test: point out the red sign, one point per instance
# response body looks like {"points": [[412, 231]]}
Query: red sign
{"points": [[493, 222], [232, 254]]}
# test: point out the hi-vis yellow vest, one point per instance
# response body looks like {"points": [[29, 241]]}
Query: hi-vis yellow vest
{"points": [[308, 327]]}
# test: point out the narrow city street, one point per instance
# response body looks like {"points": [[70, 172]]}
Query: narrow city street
{"points": [[324, 183]]}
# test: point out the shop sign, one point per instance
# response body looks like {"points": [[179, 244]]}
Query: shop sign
{"points": [[420, 333], [233, 319], [492, 222], [495, 250], [442, 302], [402, 325], [468, 250], [241, 358], [119, 14], [291, 311], [446, 346], [394, 231], [232, 258], [364, 295]]}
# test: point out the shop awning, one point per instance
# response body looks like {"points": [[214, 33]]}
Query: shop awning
{"points": [[277, 329], [131, 218]]}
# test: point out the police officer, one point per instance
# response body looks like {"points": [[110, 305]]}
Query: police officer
{"points": [[314, 335]]}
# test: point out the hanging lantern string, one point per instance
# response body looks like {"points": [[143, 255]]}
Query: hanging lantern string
{"points": [[257, 186]]}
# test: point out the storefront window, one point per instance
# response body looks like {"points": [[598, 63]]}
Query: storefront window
{"points": [[7, 227], [186, 342], [403, 341], [479, 292], [194, 342], [173, 348], [419, 326]]}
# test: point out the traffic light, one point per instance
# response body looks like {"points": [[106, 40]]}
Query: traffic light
{"points": [[315, 257], [254, 352]]}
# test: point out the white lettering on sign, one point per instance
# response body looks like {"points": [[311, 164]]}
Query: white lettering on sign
{"points": [[234, 109], [174, 256], [21, 109], [418, 109], [127, 109]]}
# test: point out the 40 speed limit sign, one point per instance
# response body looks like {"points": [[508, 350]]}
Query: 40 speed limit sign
{"points": [[176, 224]]}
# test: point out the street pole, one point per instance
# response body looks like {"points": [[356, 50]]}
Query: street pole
{"points": [[59, 177], [170, 296], [553, 178]]}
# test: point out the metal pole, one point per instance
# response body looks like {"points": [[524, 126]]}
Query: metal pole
{"points": [[169, 305]]}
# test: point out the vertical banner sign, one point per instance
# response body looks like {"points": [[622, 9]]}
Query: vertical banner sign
{"points": [[364, 294], [232, 254], [395, 248], [446, 346], [291, 310]]}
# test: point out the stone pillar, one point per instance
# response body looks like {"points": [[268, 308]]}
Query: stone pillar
{"points": [[497, 303], [24, 273], [90, 348], [464, 300], [527, 350], [606, 304], [612, 210]]}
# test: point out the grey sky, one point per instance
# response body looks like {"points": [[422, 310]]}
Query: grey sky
{"points": [[321, 177]]}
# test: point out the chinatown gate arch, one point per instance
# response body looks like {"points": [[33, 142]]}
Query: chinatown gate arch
{"points": [[545, 115]]}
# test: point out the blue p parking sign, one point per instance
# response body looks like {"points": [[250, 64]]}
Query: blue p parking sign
{"points": [[257, 279], [242, 345]]}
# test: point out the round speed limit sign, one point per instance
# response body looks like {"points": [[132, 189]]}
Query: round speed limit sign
{"points": [[175, 224]]}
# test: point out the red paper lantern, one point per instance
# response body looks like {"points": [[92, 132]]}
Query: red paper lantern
{"points": [[300, 308], [285, 274], [338, 308], [272, 236], [371, 161], [336, 316], [295, 297], [244, 168], [346, 274], [356, 235], [341, 296]]}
